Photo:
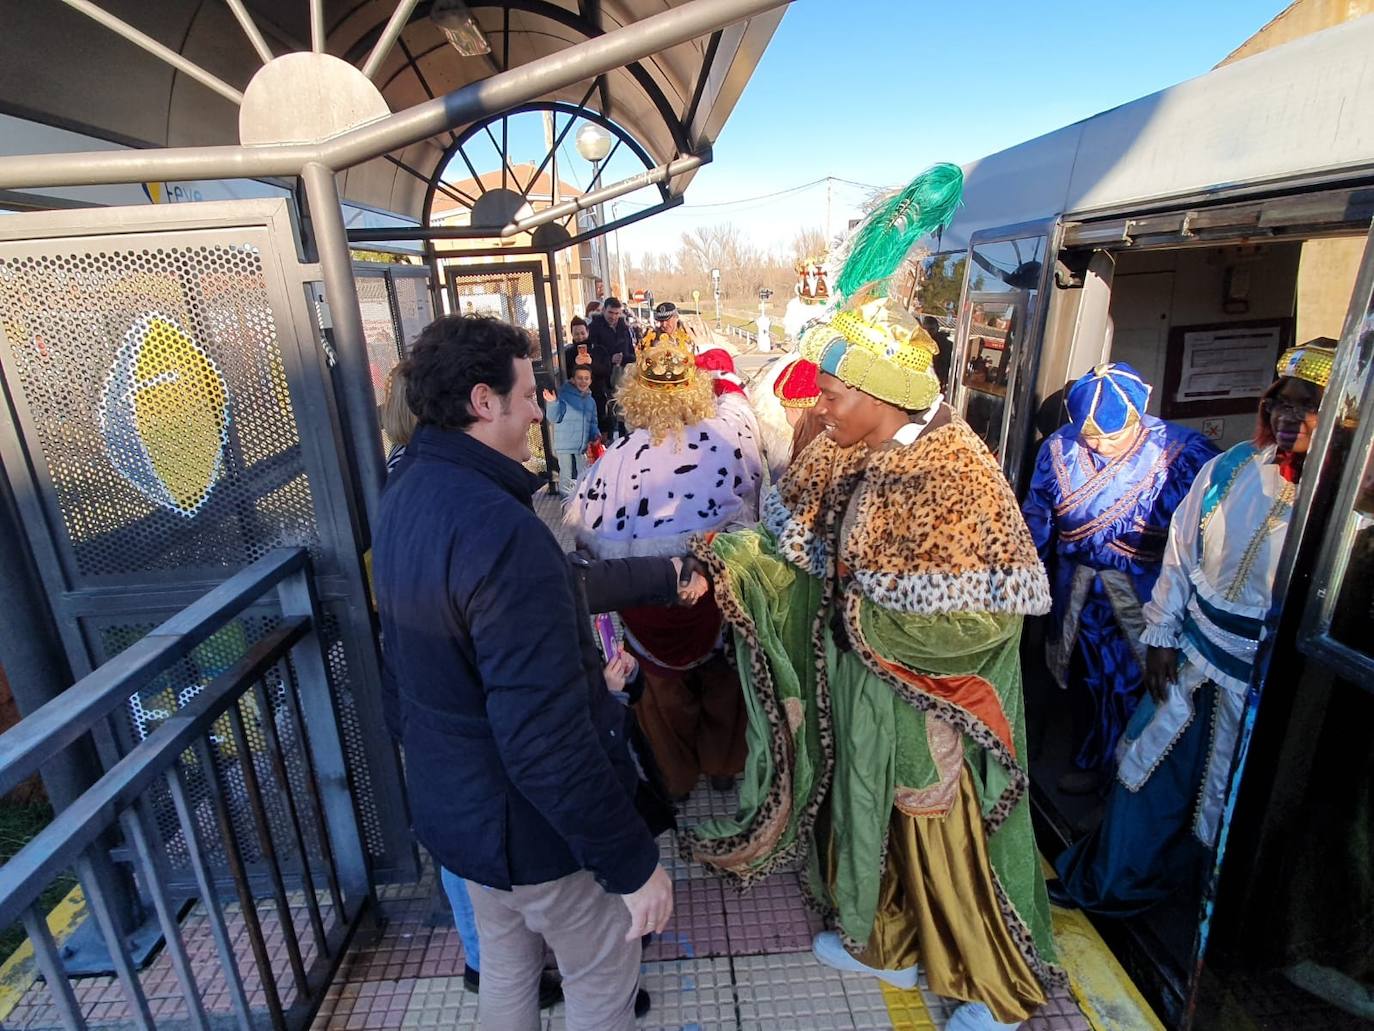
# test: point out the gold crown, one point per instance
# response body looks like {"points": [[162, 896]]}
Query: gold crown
{"points": [[667, 362], [887, 331]]}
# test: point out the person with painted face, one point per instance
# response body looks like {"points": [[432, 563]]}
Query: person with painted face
{"points": [[1203, 626], [1098, 508]]}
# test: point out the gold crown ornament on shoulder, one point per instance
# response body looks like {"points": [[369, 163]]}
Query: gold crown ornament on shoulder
{"points": [[667, 362]]}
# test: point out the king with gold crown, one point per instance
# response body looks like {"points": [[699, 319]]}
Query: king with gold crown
{"points": [[683, 470], [875, 616]]}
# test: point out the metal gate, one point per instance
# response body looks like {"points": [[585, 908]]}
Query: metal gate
{"points": [[518, 293], [169, 420], [395, 304]]}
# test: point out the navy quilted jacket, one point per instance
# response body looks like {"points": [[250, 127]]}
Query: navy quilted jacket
{"points": [[515, 752]]}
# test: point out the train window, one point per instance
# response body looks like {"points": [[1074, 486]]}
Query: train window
{"points": [[1000, 303], [993, 335], [1336, 626]]}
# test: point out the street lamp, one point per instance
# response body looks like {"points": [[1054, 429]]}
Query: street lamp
{"points": [[594, 143]]}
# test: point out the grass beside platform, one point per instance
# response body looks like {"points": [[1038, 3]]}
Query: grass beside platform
{"points": [[19, 823]]}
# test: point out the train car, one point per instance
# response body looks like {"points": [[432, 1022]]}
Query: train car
{"points": [[1195, 233]]}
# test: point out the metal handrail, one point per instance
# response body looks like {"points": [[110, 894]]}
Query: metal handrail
{"points": [[25, 747], [299, 715], [58, 845]]}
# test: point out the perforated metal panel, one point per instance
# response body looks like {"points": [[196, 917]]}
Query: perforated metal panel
{"points": [[383, 350], [413, 304], [157, 394], [510, 296], [172, 422], [173, 691]]}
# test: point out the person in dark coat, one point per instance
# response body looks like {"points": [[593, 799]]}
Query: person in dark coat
{"points": [[577, 355], [520, 778], [611, 343]]}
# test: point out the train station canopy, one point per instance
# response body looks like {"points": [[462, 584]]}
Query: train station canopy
{"points": [[108, 70]]}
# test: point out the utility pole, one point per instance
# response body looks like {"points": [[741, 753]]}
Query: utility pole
{"points": [[827, 210], [619, 256]]}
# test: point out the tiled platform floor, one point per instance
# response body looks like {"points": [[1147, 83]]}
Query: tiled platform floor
{"points": [[726, 961], [732, 961]]}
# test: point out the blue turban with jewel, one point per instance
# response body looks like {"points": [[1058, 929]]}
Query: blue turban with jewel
{"points": [[1107, 400]]}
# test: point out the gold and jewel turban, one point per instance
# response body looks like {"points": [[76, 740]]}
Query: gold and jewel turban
{"points": [[876, 346], [1310, 361]]}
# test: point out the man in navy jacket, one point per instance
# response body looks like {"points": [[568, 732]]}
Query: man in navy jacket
{"points": [[520, 780]]}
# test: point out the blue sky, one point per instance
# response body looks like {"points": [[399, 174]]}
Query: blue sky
{"points": [[872, 91]]}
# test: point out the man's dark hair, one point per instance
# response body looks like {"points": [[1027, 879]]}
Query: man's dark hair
{"points": [[611, 302], [577, 320], [452, 355]]}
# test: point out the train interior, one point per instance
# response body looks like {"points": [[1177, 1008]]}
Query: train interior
{"points": [[1204, 324]]}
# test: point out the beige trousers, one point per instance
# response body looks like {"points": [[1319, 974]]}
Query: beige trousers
{"points": [[584, 926]]}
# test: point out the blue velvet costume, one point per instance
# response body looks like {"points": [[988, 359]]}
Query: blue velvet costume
{"points": [[1100, 526]]}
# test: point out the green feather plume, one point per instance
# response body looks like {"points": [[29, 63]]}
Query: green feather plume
{"points": [[879, 245]]}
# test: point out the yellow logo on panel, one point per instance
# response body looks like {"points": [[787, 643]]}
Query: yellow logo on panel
{"points": [[165, 415]]}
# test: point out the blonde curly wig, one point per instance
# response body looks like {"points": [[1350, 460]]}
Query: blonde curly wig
{"points": [[665, 410]]}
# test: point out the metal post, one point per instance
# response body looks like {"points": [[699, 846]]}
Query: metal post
{"points": [[619, 258], [359, 400], [398, 21], [158, 50]]}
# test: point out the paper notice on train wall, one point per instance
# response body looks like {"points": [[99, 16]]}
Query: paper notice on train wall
{"points": [[1228, 363]]}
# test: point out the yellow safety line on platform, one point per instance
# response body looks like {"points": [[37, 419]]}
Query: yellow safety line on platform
{"points": [[907, 1010], [1106, 995], [20, 971]]}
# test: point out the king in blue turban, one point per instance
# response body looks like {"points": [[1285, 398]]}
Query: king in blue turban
{"points": [[1098, 507]]}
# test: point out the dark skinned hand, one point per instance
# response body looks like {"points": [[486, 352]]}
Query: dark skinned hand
{"points": [[1161, 669]]}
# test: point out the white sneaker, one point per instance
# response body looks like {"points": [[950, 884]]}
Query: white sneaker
{"points": [[974, 1016], [828, 948]]}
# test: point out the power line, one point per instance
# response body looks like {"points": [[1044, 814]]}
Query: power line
{"points": [[683, 209]]}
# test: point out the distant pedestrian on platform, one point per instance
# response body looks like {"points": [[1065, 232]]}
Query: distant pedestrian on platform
{"points": [[572, 414], [610, 337], [578, 354]]}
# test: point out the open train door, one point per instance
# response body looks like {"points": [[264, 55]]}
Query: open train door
{"points": [[1007, 278], [1291, 895]]}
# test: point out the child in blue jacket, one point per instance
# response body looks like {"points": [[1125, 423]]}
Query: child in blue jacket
{"points": [[572, 414]]}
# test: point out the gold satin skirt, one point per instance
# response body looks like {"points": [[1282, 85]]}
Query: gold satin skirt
{"points": [[937, 907]]}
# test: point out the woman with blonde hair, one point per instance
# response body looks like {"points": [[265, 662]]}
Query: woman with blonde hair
{"points": [[398, 421]]}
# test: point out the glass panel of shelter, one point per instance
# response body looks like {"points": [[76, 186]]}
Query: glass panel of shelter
{"points": [[1001, 295]]}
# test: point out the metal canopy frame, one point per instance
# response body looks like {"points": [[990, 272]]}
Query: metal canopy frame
{"points": [[317, 164], [549, 161]]}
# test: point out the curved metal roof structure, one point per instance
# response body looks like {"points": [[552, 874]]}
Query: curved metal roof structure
{"points": [[61, 66]]}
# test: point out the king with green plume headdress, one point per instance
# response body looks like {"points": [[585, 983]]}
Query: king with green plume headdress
{"points": [[876, 614]]}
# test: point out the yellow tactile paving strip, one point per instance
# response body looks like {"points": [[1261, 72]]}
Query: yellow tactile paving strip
{"points": [[20, 970]]}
